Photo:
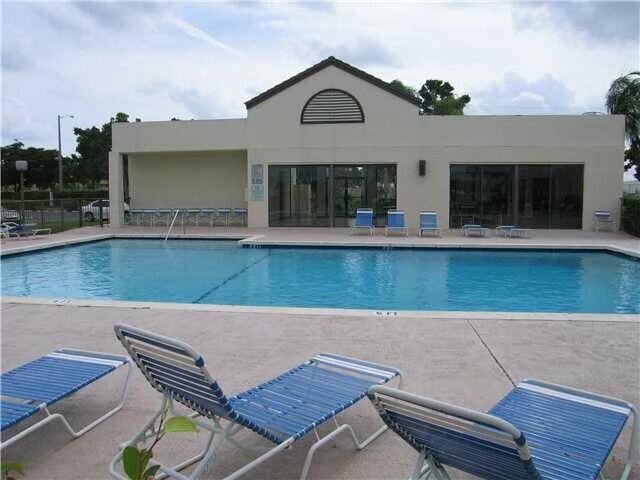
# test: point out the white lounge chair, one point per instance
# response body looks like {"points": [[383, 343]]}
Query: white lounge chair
{"points": [[603, 218], [474, 230], [514, 231]]}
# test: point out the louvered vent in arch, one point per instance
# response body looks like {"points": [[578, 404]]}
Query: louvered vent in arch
{"points": [[332, 106]]}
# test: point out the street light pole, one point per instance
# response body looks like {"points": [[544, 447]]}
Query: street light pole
{"points": [[60, 151]]}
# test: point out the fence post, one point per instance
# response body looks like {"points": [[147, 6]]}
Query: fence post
{"points": [[100, 212], [61, 215], [80, 212]]}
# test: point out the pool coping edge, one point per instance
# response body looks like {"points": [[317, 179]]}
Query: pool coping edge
{"points": [[344, 312], [255, 241]]}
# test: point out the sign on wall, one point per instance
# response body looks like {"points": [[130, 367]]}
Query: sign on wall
{"points": [[257, 182]]}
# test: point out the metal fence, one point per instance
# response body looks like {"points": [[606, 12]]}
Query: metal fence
{"points": [[58, 214]]}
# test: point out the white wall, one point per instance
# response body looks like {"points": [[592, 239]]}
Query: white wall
{"points": [[392, 133], [197, 180]]}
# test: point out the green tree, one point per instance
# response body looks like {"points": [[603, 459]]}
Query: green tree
{"points": [[438, 99], [43, 166], [93, 145], [623, 98], [401, 87]]}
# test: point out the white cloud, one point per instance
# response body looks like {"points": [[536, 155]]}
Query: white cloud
{"points": [[199, 34], [513, 94], [158, 61]]}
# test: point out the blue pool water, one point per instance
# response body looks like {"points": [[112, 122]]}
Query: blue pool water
{"points": [[214, 272]]}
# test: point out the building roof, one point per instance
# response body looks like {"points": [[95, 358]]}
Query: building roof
{"points": [[330, 61]]}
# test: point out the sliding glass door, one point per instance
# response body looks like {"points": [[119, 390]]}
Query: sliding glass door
{"points": [[329, 195], [299, 196], [534, 196]]}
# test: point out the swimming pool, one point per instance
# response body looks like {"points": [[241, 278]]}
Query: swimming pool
{"points": [[222, 272]]}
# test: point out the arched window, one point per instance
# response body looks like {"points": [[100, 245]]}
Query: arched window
{"points": [[332, 106]]}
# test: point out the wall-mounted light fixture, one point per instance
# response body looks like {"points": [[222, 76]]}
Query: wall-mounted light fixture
{"points": [[422, 167]]}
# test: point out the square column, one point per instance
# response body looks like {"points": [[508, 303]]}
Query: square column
{"points": [[116, 190]]}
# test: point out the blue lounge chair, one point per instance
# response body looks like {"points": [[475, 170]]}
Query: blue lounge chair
{"points": [[396, 222], [603, 218], [539, 431], [364, 220], [282, 410], [428, 223], [37, 385], [19, 230]]}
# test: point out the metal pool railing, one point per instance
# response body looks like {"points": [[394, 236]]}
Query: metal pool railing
{"points": [[57, 214]]}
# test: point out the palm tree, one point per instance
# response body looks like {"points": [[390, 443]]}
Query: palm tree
{"points": [[623, 98]]}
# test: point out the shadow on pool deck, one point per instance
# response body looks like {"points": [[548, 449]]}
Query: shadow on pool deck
{"points": [[469, 362]]}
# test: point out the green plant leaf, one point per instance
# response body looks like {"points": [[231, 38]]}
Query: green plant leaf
{"points": [[132, 462], [180, 424], [150, 472], [11, 467]]}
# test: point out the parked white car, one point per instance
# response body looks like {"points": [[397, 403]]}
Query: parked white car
{"points": [[9, 215], [91, 211]]}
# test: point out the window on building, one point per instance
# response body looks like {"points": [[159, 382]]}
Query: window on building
{"points": [[332, 106], [534, 196]]}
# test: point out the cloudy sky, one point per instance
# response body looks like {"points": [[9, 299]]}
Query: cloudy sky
{"points": [[203, 60]]}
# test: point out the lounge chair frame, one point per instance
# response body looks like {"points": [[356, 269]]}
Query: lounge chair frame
{"points": [[52, 417], [223, 429], [513, 231], [427, 465], [603, 218], [474, 230]]}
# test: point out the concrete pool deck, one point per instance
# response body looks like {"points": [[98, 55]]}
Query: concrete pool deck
{"points": [[468, 358], [468, 361], [552, 239]]}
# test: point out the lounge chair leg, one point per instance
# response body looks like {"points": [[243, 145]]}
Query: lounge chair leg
{"points": [[340, 429], [439, 473], [422, 471], [50, 417], [633, 449]]}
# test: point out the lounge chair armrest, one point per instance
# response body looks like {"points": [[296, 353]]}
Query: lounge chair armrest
{"points": [[581, 393], [449, 409], [357, 365]]}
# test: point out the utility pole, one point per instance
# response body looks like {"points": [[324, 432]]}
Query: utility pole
{"points": [[60, 151]]}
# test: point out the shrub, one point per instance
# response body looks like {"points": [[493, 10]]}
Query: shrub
{"points": [[631, 215], [44, 194]]}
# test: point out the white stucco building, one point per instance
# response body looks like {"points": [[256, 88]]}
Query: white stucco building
{"points": [[333, 138]]}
